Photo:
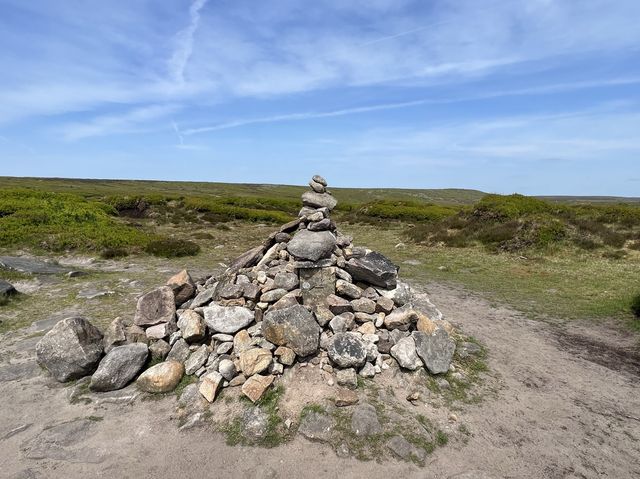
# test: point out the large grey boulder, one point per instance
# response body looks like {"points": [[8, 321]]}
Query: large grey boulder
{"points": [[71, 350], [227, 319], [435, 349], [404, 351], [312, 245], [155, 307], [318, 200], [119, 367], [293, 327], [347, 350], [373, 268]]}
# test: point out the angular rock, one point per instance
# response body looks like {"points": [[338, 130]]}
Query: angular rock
{"points": [[161, 378], [435, 349], [294, 327], [251, 291], [404, 450], [285, 355], [273, 295], [285, 280], [230, 291], [192, 326], [179, 351], [227, 319], [157, 306], [6, 288], [318, 200], [338, 305], [404, 351], [316, 284], [347, 289], [367, 371], [119, 367], [71, 349], [183, 287], [254, 361], [400, 318], [114, 335], [347, 350], [203, 298], [197, 359], [241, 342], [247, 259], [159, 349], [364, 421], [363, 305], [210, 385], [256, 385], [317, 187], [373, 268], [400, 295], [346, 397], [312, 245], [384, 305], [322, 225], [135, 334], [162, 330]]}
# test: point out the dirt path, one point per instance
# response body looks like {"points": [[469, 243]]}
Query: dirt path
{"points": [[568, 405]]}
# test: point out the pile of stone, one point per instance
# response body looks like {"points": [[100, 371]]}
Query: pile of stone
{"points": [[305, 294]]}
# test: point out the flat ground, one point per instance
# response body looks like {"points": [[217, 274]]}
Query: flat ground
{"points": [[564, 398]]}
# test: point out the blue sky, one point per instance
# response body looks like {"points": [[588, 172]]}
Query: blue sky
{"points": [[537, 96]]}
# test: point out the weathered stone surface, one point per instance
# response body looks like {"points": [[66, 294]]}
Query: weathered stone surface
{"points": [[319, 200], [197, 359], [288, 300], [247, 259], [227, 368], [227, 319], [347, 350], [322, 225], [183, 286], [31, 265], [346, 397], [179, 352], [60, 442], [367, 371], [285, 280], [384, 305], [347, 377], [71, 350], [254, 361], [162, 330], [251, 291], [347, 289], [285, 355], [317, 426], [367, 328], [404, 450], [157, 306], [435, 349], [316, 284], [338, 305], [135, 334], [317, 187], [161, 378], [404, 351], [114, 335], [373, 268], [230, 291], [400, 318], [241, 341], [210, 385], [204, 297], [119, 367], [273, 295], [364, 305], [364, 421], [294, 327], [319, 179], [255, 424], [256, 385], [192, 326], [311, 245], [159, 349], [400, 295], [469, 349]]}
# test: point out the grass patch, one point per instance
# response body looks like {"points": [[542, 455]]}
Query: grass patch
{"points": [[184, 382], [172, 248], [310, 408]]}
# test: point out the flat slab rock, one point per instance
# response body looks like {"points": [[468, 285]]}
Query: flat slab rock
{"points": [[6, 288], [31, 265], [373, 268], [227, 319]]}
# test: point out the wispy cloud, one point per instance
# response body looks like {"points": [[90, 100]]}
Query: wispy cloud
{"points": [[127, 122], [184, 43]]}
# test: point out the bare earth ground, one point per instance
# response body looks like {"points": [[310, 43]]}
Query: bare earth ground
{"points": [[567, 404]]}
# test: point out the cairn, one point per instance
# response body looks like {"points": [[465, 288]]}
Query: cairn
{"points": [[305, 292]]}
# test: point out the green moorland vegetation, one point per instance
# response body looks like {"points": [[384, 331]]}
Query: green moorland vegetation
{"points": [[556, 257]]}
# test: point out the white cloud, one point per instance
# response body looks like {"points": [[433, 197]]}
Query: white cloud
{"points": [[184, 43]]}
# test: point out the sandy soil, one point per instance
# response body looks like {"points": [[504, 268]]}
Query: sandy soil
{"points": [[567, 405]]}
